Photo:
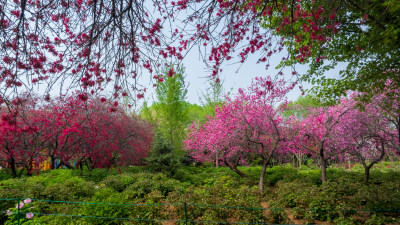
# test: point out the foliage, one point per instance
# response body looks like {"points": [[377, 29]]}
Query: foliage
{"points": [[96, 45], [22, 206], [171, 107], [297, 190], [162, 156], [37, 134], [302, 106], [213, 97], [170, 112], [358, 37], [222, 193]]}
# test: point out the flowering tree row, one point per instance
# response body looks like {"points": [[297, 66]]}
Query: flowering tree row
{"points": [[70, 130], [252, 124]]}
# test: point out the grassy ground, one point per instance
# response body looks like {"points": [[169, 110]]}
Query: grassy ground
{"points": [[344, 199]]}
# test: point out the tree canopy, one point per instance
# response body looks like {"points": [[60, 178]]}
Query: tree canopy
{"points": [[361, 37], [104, 46]]}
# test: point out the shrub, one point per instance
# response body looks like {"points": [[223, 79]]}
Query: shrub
{"points": [[378, 197], [119, 182], [74, 188], [225, 192], [277, 173], [304, 194], [106, 195], [162, 157]]}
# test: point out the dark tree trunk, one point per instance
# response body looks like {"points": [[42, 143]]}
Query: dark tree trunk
{"points": [[53, 161], [367, 168], [66, 164], [13, 168], [323, 165], [90, 167], [80, 164], [366, 174], [234, 168]]}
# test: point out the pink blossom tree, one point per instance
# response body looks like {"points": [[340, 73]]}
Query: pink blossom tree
{"points": [[318, 134], [364, 135], [248, 125], [387, 106]]}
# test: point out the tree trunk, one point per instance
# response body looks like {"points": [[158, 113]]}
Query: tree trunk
{"points": [[323, 165], [323, 171], [53, 161], [300, 159], [29, 168], [80, 164], [262, 175], [13, 168], [66, 164], [366, 174], [234, 168], [216, 160]]}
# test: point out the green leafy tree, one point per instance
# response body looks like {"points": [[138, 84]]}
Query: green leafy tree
{"points": [[361, 38], [170, 112], [148, 113], [301, 107], [213, 97], [196, 113]]}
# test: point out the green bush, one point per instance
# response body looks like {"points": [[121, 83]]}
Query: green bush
{"points": [[324, 202], [313, 175], [105, 195], [119, 182], [71, 190], [4, 175], [225, 192], [378, 197], [292, 188], [278, 173]]}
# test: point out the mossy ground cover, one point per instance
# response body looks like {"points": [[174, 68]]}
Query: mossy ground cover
{"points": [[344, 199]]}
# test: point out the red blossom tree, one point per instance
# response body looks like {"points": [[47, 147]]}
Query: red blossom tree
{"points": [[21, 139], [68, 129]]}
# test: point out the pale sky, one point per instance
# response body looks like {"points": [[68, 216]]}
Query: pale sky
{"points": [[233, 76]]}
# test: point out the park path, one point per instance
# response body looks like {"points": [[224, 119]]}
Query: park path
{"points": [[292, 219], [171, 210]]}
